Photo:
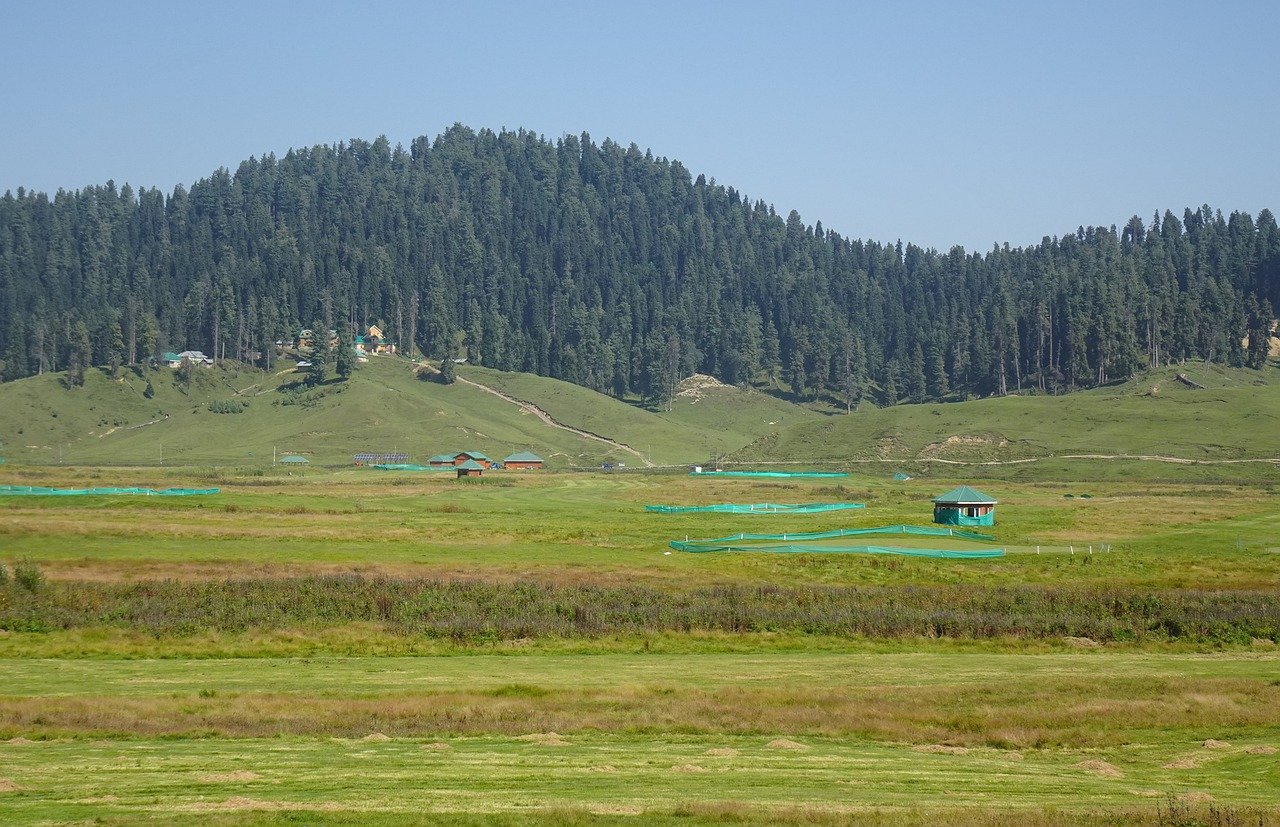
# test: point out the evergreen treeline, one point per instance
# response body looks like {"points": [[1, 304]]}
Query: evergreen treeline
{"points": [[608, 267]]}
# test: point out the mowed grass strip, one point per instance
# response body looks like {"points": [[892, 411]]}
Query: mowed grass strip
{"points": [[663, 778], [1005, 701]]}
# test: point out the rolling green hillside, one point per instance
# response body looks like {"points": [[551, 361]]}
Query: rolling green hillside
{"points": [[706, 416], [1235, 416], [383, 408]]}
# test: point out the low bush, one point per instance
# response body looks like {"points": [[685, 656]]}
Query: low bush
{"points": [[482, 611]]}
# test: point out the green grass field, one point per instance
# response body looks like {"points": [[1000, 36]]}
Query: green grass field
{"points": [[345, 645]]}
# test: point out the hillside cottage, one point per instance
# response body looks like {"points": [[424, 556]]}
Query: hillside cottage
{"points": [[470, 468], [964, 506], [472, 456], [523, 461]]}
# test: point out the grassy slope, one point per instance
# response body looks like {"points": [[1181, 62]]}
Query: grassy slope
{"points": [[1236, 416], [383, 408], [718, 419]]}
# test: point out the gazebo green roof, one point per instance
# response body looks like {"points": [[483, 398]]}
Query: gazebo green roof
{"points": [[471, 465], [170, 356], [524, 456], [295, 460], [966, 495]]}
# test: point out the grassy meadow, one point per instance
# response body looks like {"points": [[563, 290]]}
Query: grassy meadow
{"points": [[346, 645]]}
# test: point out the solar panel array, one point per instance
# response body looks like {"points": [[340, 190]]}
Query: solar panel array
{"points": [[368, 458]]}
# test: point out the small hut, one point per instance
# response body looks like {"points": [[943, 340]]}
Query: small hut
{"points": [[523, 461], [441, 461], [470, 468], [472, 456], [293, 459], [964, 506]]}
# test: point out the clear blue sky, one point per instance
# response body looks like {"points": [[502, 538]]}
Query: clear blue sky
{"points": [[938, 123]]}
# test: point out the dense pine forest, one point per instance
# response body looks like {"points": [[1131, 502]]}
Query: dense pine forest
{"points": [[611, 268]]}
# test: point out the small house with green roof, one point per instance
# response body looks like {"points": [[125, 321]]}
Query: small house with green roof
{"points": [[472, 456], [523, 461], [964, 506], [470, 468], [441, 461]]}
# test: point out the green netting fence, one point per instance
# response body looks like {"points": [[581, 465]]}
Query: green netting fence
{"points": [[37, 491], [408, 466], [810, 474], [787, 543], [754, 508]]}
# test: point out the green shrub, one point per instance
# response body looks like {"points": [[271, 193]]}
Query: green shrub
{"points": [[227, 406], [4, 575], [28, 575]]}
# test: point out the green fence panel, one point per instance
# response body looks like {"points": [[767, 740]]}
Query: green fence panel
{"points": [[937, 553], [754, 508], [37, 491]]}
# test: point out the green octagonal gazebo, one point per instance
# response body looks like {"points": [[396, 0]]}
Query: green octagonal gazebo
{"points": [[964, 506]]}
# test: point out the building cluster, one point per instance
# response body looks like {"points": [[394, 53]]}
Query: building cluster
{"points": [[474, 463]]}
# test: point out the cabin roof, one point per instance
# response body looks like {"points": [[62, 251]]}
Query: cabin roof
{"points": [[966, 495]]}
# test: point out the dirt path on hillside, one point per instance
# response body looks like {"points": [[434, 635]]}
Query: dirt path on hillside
{"points": [[548, 418]]}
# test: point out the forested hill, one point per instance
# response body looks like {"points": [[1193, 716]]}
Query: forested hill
{"points": [[608, 267]]}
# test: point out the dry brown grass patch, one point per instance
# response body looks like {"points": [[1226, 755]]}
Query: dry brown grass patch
{"points": [[688, 768], [1215, 744], [1102, 769], [1262, 750], [785, 743], [940, 749], [1196, 797], [436, 745], [1187, 763], [228, 777], [9, 786], [723, 752]]}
